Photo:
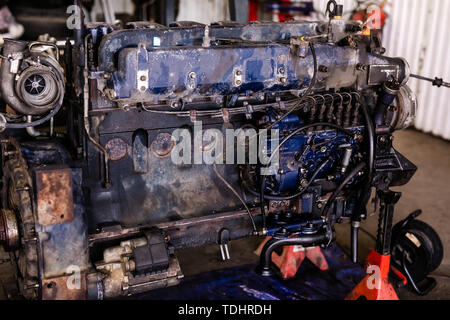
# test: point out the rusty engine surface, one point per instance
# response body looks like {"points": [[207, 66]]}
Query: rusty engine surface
{"points": [[98, 209]]}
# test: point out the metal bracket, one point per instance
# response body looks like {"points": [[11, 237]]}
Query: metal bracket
{"points": [[238, 78]]}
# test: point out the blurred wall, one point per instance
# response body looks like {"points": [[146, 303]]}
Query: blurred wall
{"points": [[419, 31], [204, 11]]}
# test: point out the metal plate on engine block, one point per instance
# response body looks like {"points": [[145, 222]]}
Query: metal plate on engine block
{"points": [[54, 196]]}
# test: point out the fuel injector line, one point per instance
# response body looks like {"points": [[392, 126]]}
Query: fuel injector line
{"points": [[229, 186]]}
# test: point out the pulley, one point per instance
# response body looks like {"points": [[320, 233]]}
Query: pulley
{"points": [[9, 230]]}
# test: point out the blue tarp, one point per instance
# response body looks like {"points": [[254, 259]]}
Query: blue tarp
{"points": [[243, 283]]}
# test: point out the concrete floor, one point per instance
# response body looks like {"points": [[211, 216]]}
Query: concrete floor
{"points": [[429, 190]]}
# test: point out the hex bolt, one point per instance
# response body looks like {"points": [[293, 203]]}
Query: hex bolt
{"points": [[323, 69]]}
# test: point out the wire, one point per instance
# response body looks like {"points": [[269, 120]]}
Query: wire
{"points": [[37, 122], [286, 198], [236, 194], [351, 175], [371, 236]]}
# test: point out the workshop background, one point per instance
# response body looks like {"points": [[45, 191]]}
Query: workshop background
{"points": [[414, 29]]}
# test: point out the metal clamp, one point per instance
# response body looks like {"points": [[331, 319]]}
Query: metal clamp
{"points": [[47, 44]]}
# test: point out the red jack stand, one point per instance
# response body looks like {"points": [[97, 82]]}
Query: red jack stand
{"points": [[292, 258], [375, 285]]}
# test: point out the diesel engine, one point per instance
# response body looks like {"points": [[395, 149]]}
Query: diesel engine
{"points": [[132, 142]]}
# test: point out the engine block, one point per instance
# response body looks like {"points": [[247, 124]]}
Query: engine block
{"points": [[152, 115]]}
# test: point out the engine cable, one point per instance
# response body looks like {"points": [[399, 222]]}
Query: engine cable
{"points": [[229, 186]]}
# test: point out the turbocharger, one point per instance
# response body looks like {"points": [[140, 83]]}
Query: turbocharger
{"points": [[32, 81]]}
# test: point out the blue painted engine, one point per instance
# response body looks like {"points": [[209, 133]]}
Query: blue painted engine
{"points": [[304, 156], [128, 180]]}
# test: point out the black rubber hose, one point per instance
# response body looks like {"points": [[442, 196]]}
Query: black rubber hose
{"points": [[341, 187], [305, 240], [365, 192], [371, 136], [35, 123]]}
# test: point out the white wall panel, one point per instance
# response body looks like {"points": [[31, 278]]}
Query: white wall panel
{"points": [[418, 30], [204, 11]]}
